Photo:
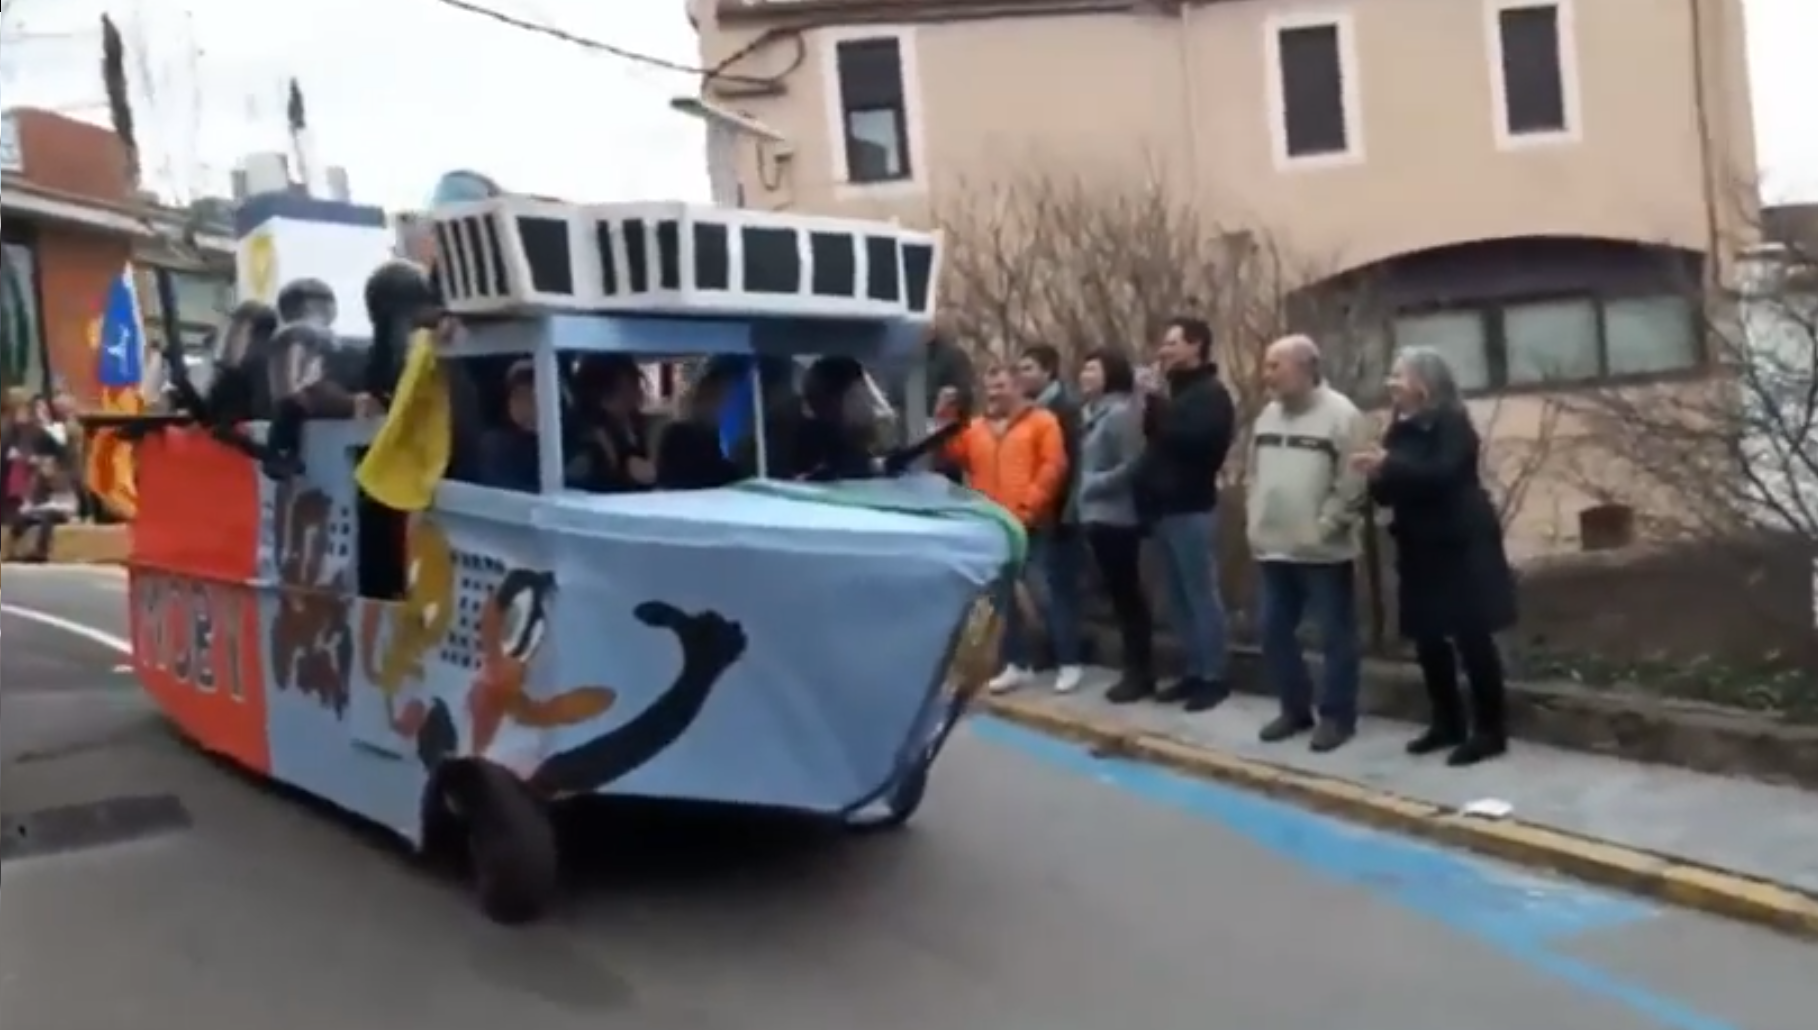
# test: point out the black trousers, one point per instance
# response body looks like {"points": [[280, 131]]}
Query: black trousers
{"points": [[1440, 659], [1117, 550]]}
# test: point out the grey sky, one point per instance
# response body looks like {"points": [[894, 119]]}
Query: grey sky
{"points": [[402, 90]]}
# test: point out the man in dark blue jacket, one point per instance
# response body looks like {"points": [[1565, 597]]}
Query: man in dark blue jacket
{"points": [[1188, 424]]}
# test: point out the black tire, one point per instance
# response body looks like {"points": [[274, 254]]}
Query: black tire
{"points": [[511, 846]]}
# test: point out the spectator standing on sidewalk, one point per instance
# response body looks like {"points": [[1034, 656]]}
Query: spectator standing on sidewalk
{"points": [[50, 492], [1187, 427], [16, 438], [1014, 454], [1305, 501], [1058, 548], [1111, 449], [1454, 588]]}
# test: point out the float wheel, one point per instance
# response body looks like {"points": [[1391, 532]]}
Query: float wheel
{"points": [[511, 848]]}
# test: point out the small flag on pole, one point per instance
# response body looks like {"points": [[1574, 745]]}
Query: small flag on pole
{"points": [[118, 340]]}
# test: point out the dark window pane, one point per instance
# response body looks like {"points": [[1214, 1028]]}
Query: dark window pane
{"points": [[1312, 90], [870, 73], [21, 335], [1533, 88]]}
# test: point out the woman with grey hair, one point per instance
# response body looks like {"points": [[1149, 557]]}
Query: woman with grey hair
{"points": [[1454, 589]]}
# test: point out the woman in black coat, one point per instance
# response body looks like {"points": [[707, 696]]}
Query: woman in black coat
{"points": [[1454, 588]]}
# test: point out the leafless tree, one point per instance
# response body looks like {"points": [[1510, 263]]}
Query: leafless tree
{"points": [[1736, 454], [1081, 261]]}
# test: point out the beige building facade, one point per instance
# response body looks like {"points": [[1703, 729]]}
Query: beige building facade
{"points": [[1531, 184]]}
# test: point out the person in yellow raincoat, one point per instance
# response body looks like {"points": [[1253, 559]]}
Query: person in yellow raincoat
{"points": [[410, 455]]}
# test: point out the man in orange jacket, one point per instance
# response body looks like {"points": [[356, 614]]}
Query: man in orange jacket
{"points": [[1015, 454]]}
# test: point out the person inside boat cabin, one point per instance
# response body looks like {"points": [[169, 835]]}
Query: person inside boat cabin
{"points": [[509, 452], [691, 455], [828, 435], [611, 450]]}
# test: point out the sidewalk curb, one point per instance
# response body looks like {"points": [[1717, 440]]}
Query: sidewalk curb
{"points": [[1706, 889]]}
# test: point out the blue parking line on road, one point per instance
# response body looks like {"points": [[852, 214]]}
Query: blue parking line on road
{"points": [[1521, 915]]}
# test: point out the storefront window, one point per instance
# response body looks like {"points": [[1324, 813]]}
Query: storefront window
{"points": [[22, 355], [204, 300]]}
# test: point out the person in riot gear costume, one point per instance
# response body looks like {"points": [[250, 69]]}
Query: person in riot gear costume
{"points": [[241, 388], [312, 374]]}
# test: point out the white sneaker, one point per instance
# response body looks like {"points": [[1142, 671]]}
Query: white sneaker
{"points": [[1069, 679], [1013, 677]]}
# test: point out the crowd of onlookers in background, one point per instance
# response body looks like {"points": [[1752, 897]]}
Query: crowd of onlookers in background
{"points": [[1112, 458], [40, 448]]}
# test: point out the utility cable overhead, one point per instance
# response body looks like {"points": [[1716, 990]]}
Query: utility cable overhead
{"points": [[596, 45]]}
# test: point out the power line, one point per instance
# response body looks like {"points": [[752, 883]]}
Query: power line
{"points": [[586, 42]]}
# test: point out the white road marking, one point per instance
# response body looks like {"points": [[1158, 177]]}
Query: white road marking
{"points": [[70, 626]]}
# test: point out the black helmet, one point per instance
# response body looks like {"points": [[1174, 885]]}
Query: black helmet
{"points": [[306, 300], [398, 290]]}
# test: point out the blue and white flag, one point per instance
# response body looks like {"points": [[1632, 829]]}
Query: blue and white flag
{"points": [[120, 346]]}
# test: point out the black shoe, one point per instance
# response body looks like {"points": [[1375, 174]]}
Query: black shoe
{"points": [[1477, 749], [1205, 695], [1130, 690], [1175, 692], [1330, 736], [1283, 727], [1435, 739]]}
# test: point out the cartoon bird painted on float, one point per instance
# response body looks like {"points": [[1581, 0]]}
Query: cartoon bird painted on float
{"points": [[513, 623], [417, 624]]}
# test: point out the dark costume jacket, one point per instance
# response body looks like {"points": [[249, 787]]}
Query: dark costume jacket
{"points": [[1452, 573]]}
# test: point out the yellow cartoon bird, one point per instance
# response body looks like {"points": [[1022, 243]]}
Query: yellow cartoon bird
{"points": [[418, 623]]}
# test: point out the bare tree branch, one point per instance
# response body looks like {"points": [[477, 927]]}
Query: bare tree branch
{"points": [[1080, 262]]}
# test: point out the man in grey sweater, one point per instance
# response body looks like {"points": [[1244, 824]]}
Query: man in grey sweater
{"points": [[1305, 505]]}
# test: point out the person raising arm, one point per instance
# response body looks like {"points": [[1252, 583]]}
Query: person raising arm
{"points": [[1016, 455]]}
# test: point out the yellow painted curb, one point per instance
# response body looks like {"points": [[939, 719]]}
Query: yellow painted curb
{"points": [[90, 545], [1716, 891]]}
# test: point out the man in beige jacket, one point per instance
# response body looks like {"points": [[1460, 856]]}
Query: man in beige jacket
{"points": [[1305, 505]]}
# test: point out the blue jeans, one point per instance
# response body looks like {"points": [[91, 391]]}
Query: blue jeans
{"points": [[1057, 562], [1291, 592], [1188, 546]]}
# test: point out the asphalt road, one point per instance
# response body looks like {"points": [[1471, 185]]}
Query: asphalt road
{"points": [[1041, 889]]}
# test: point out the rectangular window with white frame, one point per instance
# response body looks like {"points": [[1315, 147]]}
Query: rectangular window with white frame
{"points": [[1533, 71], [1314, 115], [874, 111]]}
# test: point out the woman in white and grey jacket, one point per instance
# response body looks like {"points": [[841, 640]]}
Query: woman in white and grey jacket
{"points": [[1111, 446]]}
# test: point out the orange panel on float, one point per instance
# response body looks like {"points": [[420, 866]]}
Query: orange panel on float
{"points": [[196, 650], [198, 508]]}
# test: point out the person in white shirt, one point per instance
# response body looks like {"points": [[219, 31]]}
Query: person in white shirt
{"points": [[1305, 507]]}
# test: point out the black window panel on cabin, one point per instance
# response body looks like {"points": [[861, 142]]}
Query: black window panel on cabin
{"points": [[1532, 77], [1312, 91]]}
